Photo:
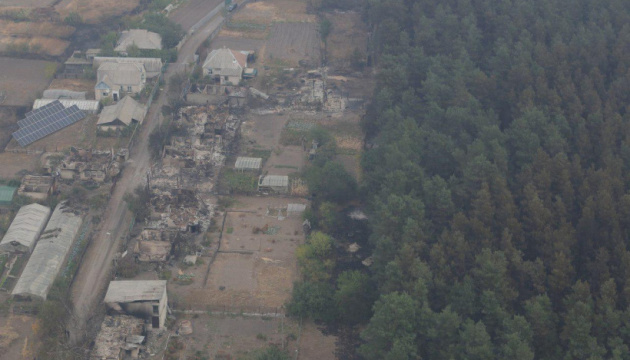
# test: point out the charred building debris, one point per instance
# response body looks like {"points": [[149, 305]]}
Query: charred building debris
{"points": [[85, 165]]}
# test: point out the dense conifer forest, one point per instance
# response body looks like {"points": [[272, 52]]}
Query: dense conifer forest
{"points": [[497, 177]]}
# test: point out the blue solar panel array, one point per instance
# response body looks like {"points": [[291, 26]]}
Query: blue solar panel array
{"points": [[52, 118], [41, 113]]}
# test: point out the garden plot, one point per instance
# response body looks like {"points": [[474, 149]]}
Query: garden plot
{"points": [[291, 42], [255, 268], [348, 36]]}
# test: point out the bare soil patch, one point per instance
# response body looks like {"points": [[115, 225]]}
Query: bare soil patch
{"points": [[36, 44], [14, 165], [236, 337], [292, 42], [268, 12], [314, 345], [74, 85], [286, 160], [96, 11], [349, 34], [27, 3], [265, 130], [27, 28], [16, 337], [22, 80], [237, 43]]}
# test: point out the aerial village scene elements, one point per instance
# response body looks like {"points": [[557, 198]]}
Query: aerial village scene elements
{"points": [[155, 159]]}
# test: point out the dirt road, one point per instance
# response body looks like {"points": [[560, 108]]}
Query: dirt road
{"points": [[95, 270], [190, 13]]}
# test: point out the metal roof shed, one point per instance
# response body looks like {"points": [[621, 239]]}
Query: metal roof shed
{"points": [[6, 195], [273, 183], [25, 229], [89, 106], [248, 163], [49, 255], [142, 298]]}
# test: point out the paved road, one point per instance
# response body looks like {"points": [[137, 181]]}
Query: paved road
{"points": [[94, 273]]}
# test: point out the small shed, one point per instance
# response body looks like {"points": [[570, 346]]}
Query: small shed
{"points": [[152, 251], [6, 195], [273, 183], [248, 163], [25, 229]]}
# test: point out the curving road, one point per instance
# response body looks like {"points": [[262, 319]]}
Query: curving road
{"points": [[95, 270]]}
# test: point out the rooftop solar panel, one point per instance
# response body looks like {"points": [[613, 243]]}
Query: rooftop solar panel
{"points": [[46, 125], [41, 113]]}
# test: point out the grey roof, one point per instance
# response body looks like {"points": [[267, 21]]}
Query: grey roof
{"points": [[126, 110], [248, 163], [274, 180], [25, 228], [153, 66], [120, 74], [143, 39], [226, 62], [123, 291], [90, 106], [63, 94], [49, 254]]}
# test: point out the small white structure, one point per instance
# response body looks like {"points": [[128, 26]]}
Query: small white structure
{"points": [[226, 65], [273, 183], [126, 112], [248, 163], [143, 39], [113, 79], [295, 209], [145, 299], [88, 106], [25, 229], [49, 255]]}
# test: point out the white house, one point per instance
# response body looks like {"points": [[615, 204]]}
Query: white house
{"points": [[114, 79], [226, 65]]}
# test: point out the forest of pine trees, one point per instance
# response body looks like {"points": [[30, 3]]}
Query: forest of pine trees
{"points": [[497, 182]]}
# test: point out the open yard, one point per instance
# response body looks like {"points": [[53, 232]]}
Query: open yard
{"points": [[255, 267], [236, 337], [15, 335], [96, 11], [292, 42], [272, 11], [22, 80]]}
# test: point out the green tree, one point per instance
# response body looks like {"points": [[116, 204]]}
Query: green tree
{"points": [[354, 296], [391, 333]]}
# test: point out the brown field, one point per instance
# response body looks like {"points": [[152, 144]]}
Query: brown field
{"points": [[22, 80], [74, 85], [26, 28], [26, 3], [237, 43], [8, 124], [268, 12], [348, 33], [96, 11], [314, 345], [36, 45], [14, 166], [292, 42], [16, 337], [225, 337]]}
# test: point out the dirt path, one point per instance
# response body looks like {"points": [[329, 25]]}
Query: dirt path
{"points": [[95, 271]]}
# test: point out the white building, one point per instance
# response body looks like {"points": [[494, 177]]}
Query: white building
{"points": [[226, 65], [25, 229], [145, 299]]}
